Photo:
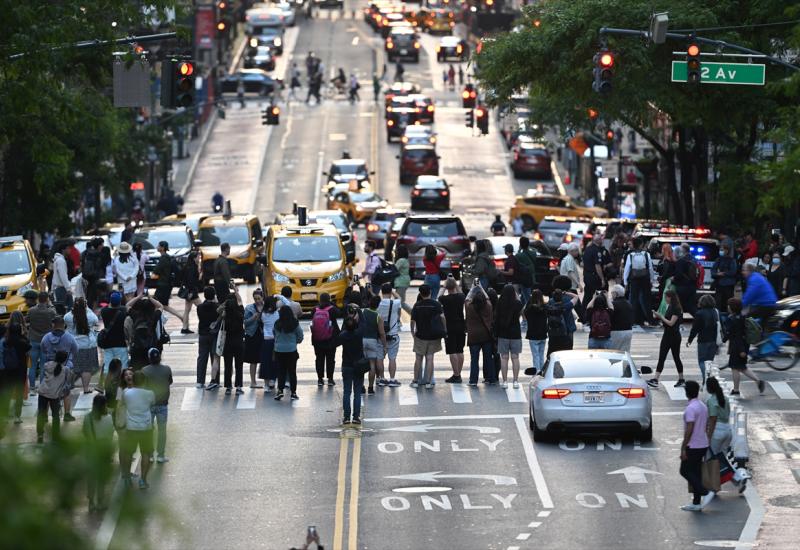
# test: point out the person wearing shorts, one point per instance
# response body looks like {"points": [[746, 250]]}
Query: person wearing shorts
{"points": [[138, 429], [428, 326], [389, 309], [371, 326]]}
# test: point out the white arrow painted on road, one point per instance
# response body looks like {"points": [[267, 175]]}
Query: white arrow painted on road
{"points": [[424, 428], [634, 474], [435, 476]]}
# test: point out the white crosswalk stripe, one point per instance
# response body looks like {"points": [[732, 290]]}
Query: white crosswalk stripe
{"points": [[783, 390], [460, 393]]}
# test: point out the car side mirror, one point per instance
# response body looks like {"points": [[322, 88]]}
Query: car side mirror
{"points": [[197, 243], [397, 156], [645, 370], [530, 371], [324, 173]]}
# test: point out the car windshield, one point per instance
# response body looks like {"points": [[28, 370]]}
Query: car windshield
{"points": [[553, 226], [306, 249], [262, 51], [231, 234], [419, 153], [498, 246], [150, 239], [14, 262], [592, 366], [433, 228], [348, 169]]}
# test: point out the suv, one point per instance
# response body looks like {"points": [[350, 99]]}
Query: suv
{"points": [[532, 209], [452, 47], [531, 159], [417, 160], [380, 223], [243, 233], [179, 237], [444, 232], [17, 274], [704, 251], [398, 119], [402, 43]]}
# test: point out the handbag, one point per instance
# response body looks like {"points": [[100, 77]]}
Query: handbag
{"points": [[363, 366], [711, 477], [102, 336], [719, 329], [66, 386], [219, 346], [183, 292]]}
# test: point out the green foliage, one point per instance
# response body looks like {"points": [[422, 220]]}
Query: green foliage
{"points": [[56, 111]]}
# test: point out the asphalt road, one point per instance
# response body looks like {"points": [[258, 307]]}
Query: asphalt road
{"points": [[451, 467]]}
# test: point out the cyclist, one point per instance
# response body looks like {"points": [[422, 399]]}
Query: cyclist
{"points": [[759, 297], [498, 228], [339, 81]]}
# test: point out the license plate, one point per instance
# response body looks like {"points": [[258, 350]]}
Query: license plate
{"points": [[403, 52], [432, 194], [308, 296], [593, 397], [3, 309]]}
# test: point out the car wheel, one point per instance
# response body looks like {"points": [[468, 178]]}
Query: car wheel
{"points": [[528, 223], [646, 436], [538, 435]]}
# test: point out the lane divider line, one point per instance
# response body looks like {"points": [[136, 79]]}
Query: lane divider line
{"points": [[355, 469], [338, 522], [533, 463]]}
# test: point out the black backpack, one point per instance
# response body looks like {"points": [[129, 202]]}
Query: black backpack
{"points": [[522, 273], [556, 326], [90, 264], [175, 272], [144, 337]]}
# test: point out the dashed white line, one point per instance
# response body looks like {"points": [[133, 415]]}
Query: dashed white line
{"points": [[523, 536], [543, 513], [354, 42], [534, 524]]}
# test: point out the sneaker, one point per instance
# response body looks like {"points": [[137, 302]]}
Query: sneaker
{"points": [[320, 382], [453, 380], [162, 460], [472, 384], [143, 485], [227, 391], [279, 396], [503, 385], [428, 386], [187, 331], [199, 386], [680, 383], [382, 382], [356, 420], [212, 386], [393, 383], [371, 391], [691, 507], [345, 421], [69, 418], [295, 397], [706, 499], [653, 382], [735, 392], [515, 384], [331, 382], [414, 384], [761, 386], [239, 391]]}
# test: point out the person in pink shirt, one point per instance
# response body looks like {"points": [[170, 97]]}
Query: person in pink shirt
{"points": [[694, 447]]}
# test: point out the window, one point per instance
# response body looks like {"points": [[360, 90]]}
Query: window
{"points": [[306, 249], [348, 170], [150, 239], [593, 366], [419, 154], [433, 228], [231, 234], [14, 262]]}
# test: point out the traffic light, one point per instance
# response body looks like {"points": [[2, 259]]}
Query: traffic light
{"points": [[603, 71], [270, 116], [222, 27], [469, 96], [592, 113], [469, 118], [609, 136], [482, 119], [177, 84], [693, 64]]}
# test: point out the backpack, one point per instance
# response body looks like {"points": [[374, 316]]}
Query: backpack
{"points": [[522, 271], [640, 269], [701, 275], [90, 265], [555, 320], [321, 324], [601, 324], [386, 273], [144, 337], [752, 331]]}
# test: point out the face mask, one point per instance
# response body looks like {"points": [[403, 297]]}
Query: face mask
{"points": [[723, 253], [776, 261]]}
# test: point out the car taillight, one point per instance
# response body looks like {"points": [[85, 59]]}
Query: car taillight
{"points": [[537, 236], [516, 156], [430, 108], [459, 48], [444, 193], [438, 49], [555, 393], [632, 393], [499, 262], [373, 227], [418, 110], [459, 239], [415, 193], [553, 264]]}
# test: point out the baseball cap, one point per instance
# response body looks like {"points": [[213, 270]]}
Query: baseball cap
{"points": [[115, 298], [788, 249]]}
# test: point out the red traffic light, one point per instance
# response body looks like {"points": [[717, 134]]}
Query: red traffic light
{"points": [[186, 69], [537, 22], [606, 60], [592, 113], [222, 5], [221, 26], [609, 134], [479, 112], [693, 50]]}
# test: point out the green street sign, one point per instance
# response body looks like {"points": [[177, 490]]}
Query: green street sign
{"points": [[748, 74]]}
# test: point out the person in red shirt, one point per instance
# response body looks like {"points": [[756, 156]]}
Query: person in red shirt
{"points": [[74, 256], [432, 262], [749, 248]]}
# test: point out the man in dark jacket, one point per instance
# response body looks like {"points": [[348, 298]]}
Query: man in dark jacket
{"points": [[40, 321], [724, 273], [685, 279], [222, 273], [206, 338], [163, 274]]}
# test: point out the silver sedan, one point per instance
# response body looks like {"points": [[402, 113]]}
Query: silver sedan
{"points": [[588, 391]]}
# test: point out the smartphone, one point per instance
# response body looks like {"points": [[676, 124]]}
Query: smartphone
{"points": [[476, 281], [312, 531]]}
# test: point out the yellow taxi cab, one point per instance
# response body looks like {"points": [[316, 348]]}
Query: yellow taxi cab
{"points": [[533, 208], [242, 232], [309, 259], [192, 221], [17, 274], [440, 20], [358, 206]]}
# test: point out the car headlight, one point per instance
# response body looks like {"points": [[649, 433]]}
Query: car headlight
{"points": [[279, 277], [337, 276], [23, 289], [244, 255]]}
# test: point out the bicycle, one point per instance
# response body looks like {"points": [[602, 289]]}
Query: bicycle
{"points": [[776, 346]]}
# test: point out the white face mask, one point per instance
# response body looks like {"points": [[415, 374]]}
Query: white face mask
{"points": [[776, 261]]}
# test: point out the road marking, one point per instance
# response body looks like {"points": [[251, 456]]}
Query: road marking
{"points": [[408, 396], [543, 513], [288, 131], [516, 395], [460, 393], [523, 536], [676, 394], [338, 522], [634, 474], [247, 400], [747, 538], [84, 401], [318, 183], [533, 463], [355, 41], [106, 531], [783, 390], [425, 428], [557, 178], [192, 397], [432, 477], [257, 179], [534, 524], [354, 480], [337, 137]]}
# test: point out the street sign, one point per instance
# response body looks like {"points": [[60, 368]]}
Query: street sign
{"points": [[711, 72], [610, 168]]}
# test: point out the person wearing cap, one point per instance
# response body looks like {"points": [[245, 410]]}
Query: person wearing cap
{"points": [[114, 345], [163, 274], [126, 268], [158, 380], [40, 320]]}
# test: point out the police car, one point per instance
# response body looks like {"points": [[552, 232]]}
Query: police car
{"points": [[703, 249]]}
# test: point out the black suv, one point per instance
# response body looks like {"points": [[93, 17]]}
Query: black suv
{"points": [[179, 237], [402, 43], [444, 232]]}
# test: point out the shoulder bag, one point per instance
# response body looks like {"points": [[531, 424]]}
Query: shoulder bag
{"points": [[219, 346]]}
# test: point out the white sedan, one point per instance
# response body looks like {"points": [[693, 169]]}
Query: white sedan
{"points": [[287, 11], [590, 391]]}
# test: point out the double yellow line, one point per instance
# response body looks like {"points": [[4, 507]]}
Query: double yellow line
{"points": [[349, 441]]}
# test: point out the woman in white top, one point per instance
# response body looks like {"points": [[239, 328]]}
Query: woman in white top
{"points": [[82, 324], [126, 268], [269, 369]]}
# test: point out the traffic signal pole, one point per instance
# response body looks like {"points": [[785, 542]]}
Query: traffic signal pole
{"points": [[83, 44]]}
